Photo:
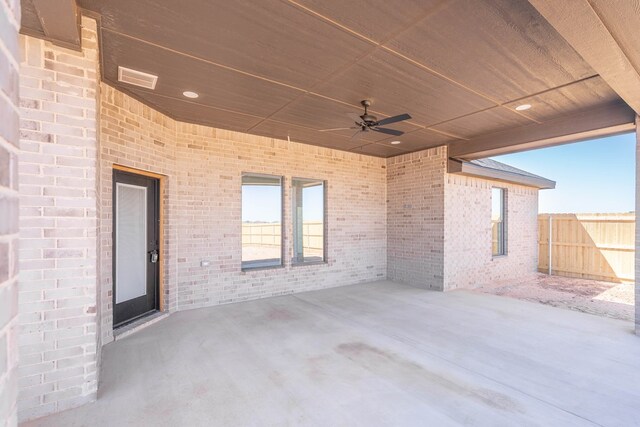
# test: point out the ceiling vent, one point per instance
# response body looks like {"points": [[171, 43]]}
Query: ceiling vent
{"points": [[137, 78]]}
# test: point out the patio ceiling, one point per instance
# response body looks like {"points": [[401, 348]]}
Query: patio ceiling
{"points": [[290, 68]]}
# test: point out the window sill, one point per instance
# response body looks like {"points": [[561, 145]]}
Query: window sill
{"points": [[266, 267], [498, 256], [302, 264]]}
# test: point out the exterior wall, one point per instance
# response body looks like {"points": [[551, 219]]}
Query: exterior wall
{"points": [[58, 219], [202, 204], [134, 135], [439, 225], [9, 25], [468, 261], [415, 212]]}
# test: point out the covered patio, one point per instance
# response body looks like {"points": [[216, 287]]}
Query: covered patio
{"points": [[375, 354], [267, 212]]}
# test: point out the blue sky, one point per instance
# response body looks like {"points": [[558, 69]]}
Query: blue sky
{"points": [[262, 203], [591, 176]]}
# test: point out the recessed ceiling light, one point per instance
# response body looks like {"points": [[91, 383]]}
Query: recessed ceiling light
{"points": [[523, 107], [190, 94], [396, 142]]}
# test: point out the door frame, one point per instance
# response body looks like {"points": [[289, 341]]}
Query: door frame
{"points": [[161, 185]]}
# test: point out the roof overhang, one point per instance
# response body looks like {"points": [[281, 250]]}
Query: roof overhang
{"points": [[59, 21], [461, 167], [600, 122]]}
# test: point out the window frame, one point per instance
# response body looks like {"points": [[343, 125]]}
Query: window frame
{"points": [[294, 261], [282, 180], [503, 239]]}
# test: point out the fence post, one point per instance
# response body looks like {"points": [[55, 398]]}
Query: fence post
{"points": [[550, 242]]}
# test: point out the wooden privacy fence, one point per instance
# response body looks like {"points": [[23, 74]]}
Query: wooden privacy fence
{"points": [[268, 234], [590, 246]]}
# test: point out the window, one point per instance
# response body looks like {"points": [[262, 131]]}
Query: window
{"points": [[498, 223], [261, 221], [308, 220]]}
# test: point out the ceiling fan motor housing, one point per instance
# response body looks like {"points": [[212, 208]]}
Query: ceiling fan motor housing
{"points": [[369, 119]]}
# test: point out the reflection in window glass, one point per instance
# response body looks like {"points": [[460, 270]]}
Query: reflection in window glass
{"points": [[308, 220], [261, 221], [498, 227]]}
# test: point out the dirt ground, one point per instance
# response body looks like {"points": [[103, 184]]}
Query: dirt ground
{"points": [[589, 296]]}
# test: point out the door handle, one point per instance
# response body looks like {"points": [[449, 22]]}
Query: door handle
{"points": [[154, 256]]}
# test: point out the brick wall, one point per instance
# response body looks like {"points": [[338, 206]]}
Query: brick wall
{"points": [[58, 219], [202, 204], [415, 211], [468, 261], [9, 114], [439, 225]]}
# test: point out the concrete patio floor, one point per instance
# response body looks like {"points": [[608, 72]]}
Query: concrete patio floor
{"points": [[374, 354]]}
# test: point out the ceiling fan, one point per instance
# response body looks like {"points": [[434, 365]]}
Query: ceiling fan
{"points": [[367, 122]]}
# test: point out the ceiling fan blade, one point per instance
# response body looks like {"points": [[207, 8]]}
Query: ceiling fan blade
{"points": [[388, 131], [356, 134], [355, 117], [393, 119], [329, 130]]}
